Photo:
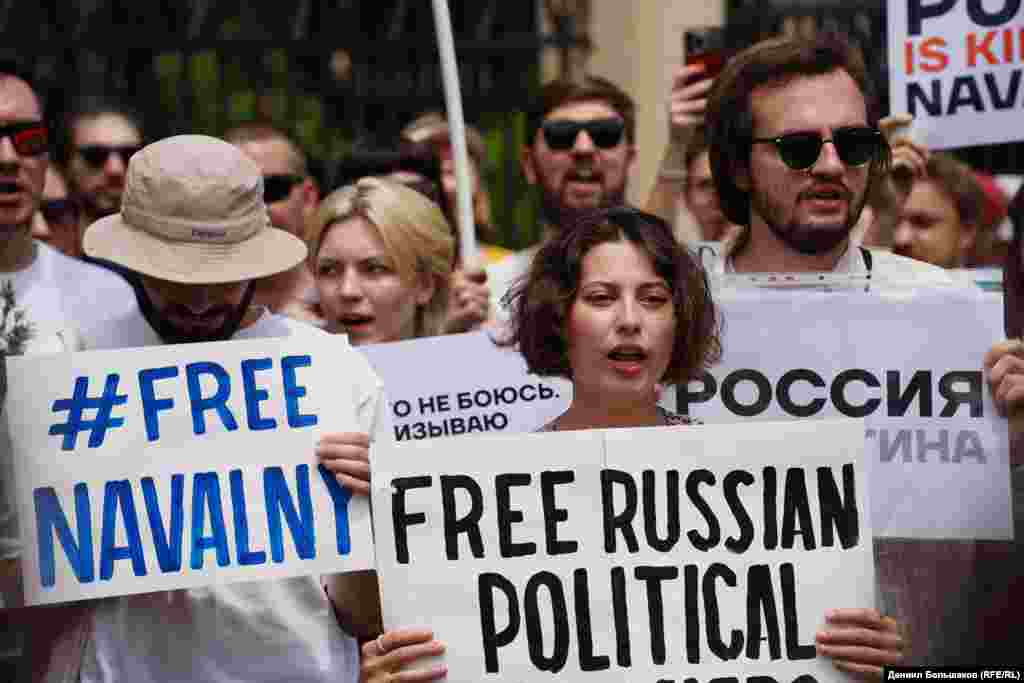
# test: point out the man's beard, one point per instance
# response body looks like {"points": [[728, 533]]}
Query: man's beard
{"points": [[172, 334], [809, 240], [555, 211], [98, 205]]}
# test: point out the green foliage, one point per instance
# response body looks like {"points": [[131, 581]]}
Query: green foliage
{"points": [[213, 90]]}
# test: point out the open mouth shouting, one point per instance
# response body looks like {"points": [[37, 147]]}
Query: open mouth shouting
{"points": [[352, 322], [583, 181], [10, 190], [628, 360], [826, 198]]}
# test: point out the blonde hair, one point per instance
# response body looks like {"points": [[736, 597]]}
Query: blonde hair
{"points": [[415, 233]]}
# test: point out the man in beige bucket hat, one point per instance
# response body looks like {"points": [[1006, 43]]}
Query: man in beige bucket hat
{"points": [[194, 233], [195, 230]]}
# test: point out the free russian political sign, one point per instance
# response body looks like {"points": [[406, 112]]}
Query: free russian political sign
{"points": [[182, 466], [955, 65], [656, 554]]}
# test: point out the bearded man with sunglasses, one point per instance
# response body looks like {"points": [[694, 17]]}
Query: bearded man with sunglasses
{"points": [[100, 136], [579, 153], [794, 148], [291, 197]]}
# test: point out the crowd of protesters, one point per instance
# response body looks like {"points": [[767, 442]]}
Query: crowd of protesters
{"points": [[112, 240]]}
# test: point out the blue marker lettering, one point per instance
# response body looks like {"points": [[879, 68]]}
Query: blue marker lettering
{"points": [[255, 395], [49, 519], [167, 544], [206, 494], [278, 500], [118, 495], [151, 405], [340, 496], [216, 402], [293, 392], [245, 555]]}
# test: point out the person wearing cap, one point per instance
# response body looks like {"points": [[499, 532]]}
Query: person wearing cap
{"points": [[194, 233]]}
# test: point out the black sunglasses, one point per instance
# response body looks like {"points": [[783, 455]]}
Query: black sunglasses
{"points": [[29, 137], [59, 211], [97, 155], [278, 186], [560, 134], [856, 146]]}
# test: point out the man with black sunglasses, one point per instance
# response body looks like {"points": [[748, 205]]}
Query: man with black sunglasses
{"points": [[794, 152], [291, 197], [794, 148], [580, 148], [100, 136]]}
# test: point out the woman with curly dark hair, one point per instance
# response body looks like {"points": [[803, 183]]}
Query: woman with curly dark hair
{"points": [[617, 306]]}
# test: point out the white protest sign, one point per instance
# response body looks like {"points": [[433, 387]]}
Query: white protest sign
{"points": [[463, 384], [182, 466], [634, 554], [955, 65], [911, 367]]}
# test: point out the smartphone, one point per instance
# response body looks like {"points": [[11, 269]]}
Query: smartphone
{"points": [[706, 45]]}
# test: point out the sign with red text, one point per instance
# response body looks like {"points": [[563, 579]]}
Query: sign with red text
{"points": [[657, 554], [956, 66]]}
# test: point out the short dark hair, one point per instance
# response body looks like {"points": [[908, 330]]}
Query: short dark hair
{"points": [[560, 93], [90, 107], [264, 131], [540, 302], [730, 117]]}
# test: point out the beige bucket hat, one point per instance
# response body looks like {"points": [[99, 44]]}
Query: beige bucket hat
{"points": [[192, 212]]}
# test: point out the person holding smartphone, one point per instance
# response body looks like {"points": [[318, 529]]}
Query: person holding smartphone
{"points": [[674, 198]]}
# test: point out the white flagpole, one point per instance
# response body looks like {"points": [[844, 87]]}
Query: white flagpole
{"points": [[457, 129]]}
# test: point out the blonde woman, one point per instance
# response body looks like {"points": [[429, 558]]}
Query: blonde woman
{"points": [[381, 254]]}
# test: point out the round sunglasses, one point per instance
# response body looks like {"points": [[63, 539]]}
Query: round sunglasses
{"points": [[855, 145]]}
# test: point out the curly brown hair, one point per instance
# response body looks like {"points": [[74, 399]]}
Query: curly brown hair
{"points": [[539, 303]]}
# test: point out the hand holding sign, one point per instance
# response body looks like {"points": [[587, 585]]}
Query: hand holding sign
{"points": [[347, 455], [384, 657], [861, 641]]}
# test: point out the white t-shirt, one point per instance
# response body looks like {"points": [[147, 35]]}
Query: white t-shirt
{"points": [[885, 265], [58, 292], [280, 630], [54, 293]]}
